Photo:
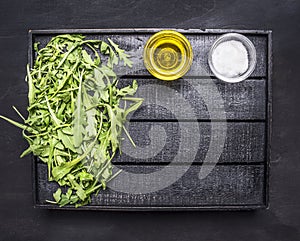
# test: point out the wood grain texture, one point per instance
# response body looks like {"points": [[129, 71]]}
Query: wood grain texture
{"points": [[134, 44], [178, 109], [245, 142], [241, 101], [225, 185]]}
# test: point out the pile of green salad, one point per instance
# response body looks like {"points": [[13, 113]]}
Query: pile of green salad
{"points": [[76, 113]]}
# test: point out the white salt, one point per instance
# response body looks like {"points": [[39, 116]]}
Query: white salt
{"points": [[230, 58]]}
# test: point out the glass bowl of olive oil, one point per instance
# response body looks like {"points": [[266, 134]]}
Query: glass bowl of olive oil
{"points": [[168, 55]]}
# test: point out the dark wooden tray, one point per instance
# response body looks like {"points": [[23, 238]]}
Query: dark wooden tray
{"points": [[240, 178]]}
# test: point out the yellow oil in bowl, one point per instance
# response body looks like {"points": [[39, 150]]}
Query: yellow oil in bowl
{"points": [[168, 55]]}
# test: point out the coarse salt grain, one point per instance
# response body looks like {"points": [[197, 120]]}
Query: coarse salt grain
{"points": [[230, 58]]}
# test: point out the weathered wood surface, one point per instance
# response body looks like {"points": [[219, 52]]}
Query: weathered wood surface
{"points": [[241, 101], [245, 142], [175, 108], [225, 185], [134, 44]]}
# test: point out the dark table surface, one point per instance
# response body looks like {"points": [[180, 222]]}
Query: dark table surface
{"points": [[20, 221]]}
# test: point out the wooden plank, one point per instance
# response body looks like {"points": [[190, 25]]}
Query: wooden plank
{"points": [[242, 101], [201, 43], [225, 185], [245, 142], [147, 31]]}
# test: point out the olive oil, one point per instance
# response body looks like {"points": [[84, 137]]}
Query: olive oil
{"points": [[168, 55]]}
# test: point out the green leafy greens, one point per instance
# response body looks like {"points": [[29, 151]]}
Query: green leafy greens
{"points": [[75, 118]]}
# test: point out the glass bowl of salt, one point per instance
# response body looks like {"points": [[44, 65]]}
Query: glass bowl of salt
{"points": [[232, 58]]}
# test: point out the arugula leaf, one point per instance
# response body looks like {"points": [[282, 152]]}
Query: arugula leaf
{"points": [[57, 195], [79, 116], [122, 55]]}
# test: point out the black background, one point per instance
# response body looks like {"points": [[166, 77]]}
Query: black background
{"points": [[20, 221]]}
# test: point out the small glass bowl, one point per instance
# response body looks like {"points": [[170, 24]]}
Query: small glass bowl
{"points": [[168, 55], [251, 57]]}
